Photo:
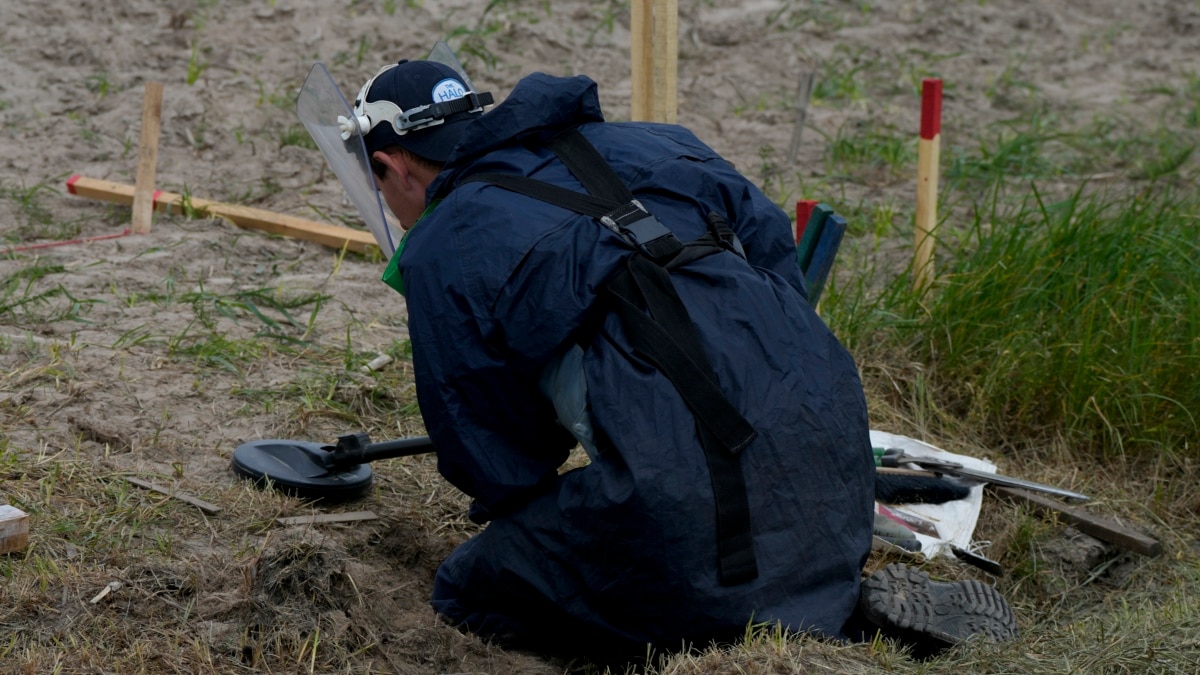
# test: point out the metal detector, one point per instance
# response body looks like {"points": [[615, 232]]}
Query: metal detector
{"points": [[330, 473]]}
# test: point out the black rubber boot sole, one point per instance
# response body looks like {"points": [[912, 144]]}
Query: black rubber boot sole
{"points": [[908, 605]]}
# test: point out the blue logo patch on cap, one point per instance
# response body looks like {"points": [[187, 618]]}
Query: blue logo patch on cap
{"points": [[448, 90]]}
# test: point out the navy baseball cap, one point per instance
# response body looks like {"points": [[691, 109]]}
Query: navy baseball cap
{"points": [[421, 106]]}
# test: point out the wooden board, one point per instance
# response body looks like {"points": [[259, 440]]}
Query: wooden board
{"points": [[333, 236], [1100, 527], [319, 518]]}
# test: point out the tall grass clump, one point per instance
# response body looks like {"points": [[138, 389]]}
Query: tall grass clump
{"points": [[1079, 317]]}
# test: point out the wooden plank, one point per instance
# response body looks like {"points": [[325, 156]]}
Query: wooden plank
{"points": [[1100, 527], [333, 236], [14, 529], [143, 195], [320, 518], [204, 506]]}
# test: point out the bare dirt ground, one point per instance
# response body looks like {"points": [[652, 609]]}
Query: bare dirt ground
{"points": [[154, 356]]}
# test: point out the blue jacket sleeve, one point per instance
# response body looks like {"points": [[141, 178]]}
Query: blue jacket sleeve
{"points": [[495, 432]]}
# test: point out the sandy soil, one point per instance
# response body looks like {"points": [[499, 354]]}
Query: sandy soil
{"points": [[106, 366]]}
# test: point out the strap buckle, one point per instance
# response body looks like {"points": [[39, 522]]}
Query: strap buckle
{"points": [[640, 229]]}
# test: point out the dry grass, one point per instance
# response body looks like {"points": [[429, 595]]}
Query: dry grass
{"points": [[237, 592]]}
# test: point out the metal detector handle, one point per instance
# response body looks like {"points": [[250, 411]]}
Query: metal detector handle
{"points": [[355, 449]]}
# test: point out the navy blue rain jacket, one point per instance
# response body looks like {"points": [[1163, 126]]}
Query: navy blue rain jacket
{"points": [[623, 552]]}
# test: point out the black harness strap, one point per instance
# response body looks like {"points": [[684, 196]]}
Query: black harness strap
{"points": [[723, 432], [659, 328]]}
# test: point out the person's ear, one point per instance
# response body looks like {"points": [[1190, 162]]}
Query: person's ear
{"points": [[392, 162]]}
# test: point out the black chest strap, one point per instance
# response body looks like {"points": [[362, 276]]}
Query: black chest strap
{"points": [[658, 326]]}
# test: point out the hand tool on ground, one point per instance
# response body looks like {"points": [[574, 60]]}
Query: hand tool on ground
{"points": [[986, 564], [917, 488], [914, 523], [895, 457]]}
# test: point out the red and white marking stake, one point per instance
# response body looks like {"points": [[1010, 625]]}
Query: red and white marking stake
{"points": [[928, 152]]}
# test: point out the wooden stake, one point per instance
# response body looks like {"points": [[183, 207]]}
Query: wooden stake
{"points": [[143, 196], [333, 236], [654, 52], [666, 61], [14, 529], [641, 49], [928, 152]]}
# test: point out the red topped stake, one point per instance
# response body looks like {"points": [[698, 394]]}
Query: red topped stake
{"points": [[928, 151], [931, 108], [804, 209]]}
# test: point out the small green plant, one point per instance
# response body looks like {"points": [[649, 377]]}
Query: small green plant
{"points": [[187, 206], [37, 221], [196, 65], [361, 48], [298, 136], [97, 84], [1009, 89], [24, 301], [1167, 156], [862, 148], [282, 96], [86, 132], [1026, 147], [1190, 98], [843, 77], [29, 202]]}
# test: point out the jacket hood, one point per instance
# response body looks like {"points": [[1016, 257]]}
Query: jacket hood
{"points": [[539, 107]]}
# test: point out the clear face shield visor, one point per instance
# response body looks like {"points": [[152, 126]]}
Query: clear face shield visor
{"points": [[339, 129]]}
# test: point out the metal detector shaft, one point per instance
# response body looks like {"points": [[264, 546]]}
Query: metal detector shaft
{"points": [[358, 449]]}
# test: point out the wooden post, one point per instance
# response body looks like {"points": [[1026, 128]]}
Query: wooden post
{"points": [[641, 50], [666, 61], [654, 51], [928, 151], [143, 196]]}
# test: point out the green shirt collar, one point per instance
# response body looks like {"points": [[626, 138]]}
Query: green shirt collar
{"points": [[391, 275]]}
